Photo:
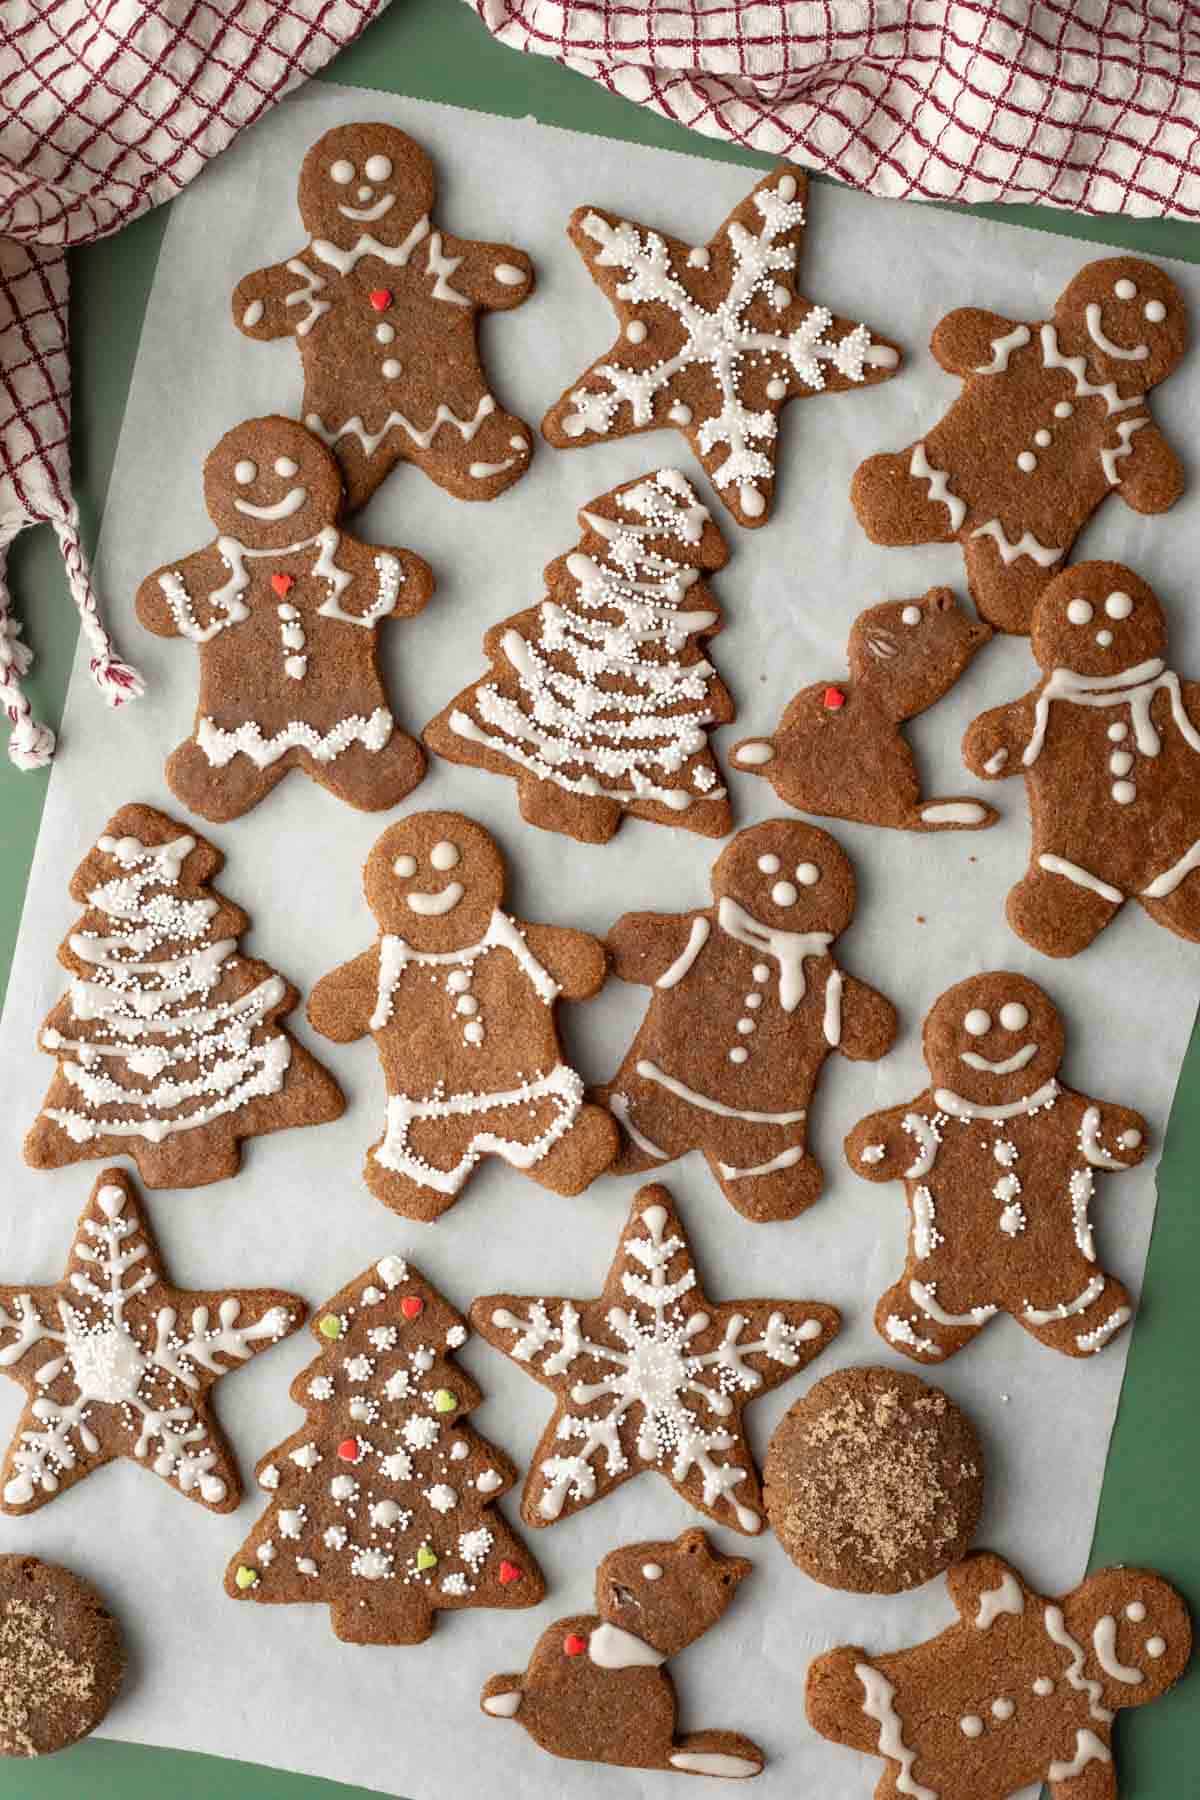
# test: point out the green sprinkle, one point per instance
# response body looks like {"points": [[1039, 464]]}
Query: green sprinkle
{"points": [[444, 1400], [426, 1559], [330, 1326], [246, 1578]]}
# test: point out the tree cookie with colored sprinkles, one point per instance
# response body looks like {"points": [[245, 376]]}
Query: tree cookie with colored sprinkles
{"points": [[61, 1657]]}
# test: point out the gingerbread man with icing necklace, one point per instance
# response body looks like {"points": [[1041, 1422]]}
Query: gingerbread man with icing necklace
{"points": [[1109, 745]]}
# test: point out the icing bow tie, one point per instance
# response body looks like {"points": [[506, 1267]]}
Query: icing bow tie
{"points": [[787, 948]]}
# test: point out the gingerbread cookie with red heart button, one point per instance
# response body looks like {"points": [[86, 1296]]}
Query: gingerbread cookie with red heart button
{"points": [[384, 308]]}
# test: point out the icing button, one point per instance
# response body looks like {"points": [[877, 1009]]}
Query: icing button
{"points": [[1123, 792], [381, 299], [834, 699], [283, 584]]}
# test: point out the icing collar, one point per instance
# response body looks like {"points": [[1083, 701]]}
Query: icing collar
{"points": [[787, 948]]}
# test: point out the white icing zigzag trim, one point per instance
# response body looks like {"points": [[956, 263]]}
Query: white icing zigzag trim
{"points": [[221, 746]]}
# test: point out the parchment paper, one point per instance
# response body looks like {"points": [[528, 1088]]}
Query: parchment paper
{"points": [[272, 1684]]}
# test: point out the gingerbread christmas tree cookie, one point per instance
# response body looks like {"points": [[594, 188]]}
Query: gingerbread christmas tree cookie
{"points": [[117, 1362], [168, 1042], [652, 1375], [600, 700], [383, 1503], [713, 339], [384, 308]]}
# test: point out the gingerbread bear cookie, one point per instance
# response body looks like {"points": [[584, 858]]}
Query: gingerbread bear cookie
{"points": [[1052, 419], [284, 607], [713, 340], [596, 1690], [747, 1004], [1019, 1690], [599, 701], [652, 1374], [839, 750], [998, 1160], [1109, 745], [460, 998], [385, 310]]}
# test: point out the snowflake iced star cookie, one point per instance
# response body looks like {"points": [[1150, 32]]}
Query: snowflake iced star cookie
{"points": [[998, 1160], [169, 1044], [383, 1503], [599, 701], [652, 1375], [1019, 1690], [117, 1362], [713, 340]]}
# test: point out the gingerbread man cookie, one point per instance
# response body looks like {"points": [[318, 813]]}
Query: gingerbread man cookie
{"points": [[713, 339], [385, 309], [839, 750], [596, 1689], [747, 1004], [1052, 419], [1020, 1690], [1109, 745], [998, 1160], [459, 998]]}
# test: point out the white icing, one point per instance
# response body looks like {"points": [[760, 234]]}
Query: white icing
{"points": [[1110, 457], [1043, 1686], [620, 1109], [1169, 880], [221, 746], [1005, 1597], [421, 435], [306, 295], [368, 215], [1060, 865], [939, 487], [971, 1725], [1088, 1749], [562, 1086], [926, 1298], [927, 1141], [1009, 1066], [1044, 555], [650, 1071], [503, 1706], [953, 812], [787, 949], [926, 1236], [1089, 1142], [879, 1704], [1057, 1631], [958, 1108], [787, 1159], [832, 1022], [652, 1571], [291, 503], [697, 938], [1052, 358], [1156, 1647], [434, 906], [1032, 1315], [714, 1762], [508, 275], [1002, 349], [253, 315], [609, 1647], [995, 762], [1093, 317], [901, 1332], [1003, 1708], [1104, 1641]]}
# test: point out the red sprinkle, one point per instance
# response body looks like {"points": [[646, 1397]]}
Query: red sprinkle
{"points": [[573, 1645], [349, 1450], [283, 584], [509, 1572], [834, 698], [381, 299], [412, 1306]]}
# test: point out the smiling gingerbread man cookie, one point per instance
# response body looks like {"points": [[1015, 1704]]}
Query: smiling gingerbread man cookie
{"points": [[384, 309], [1052, 419], [459, 998], [998, 1160]]}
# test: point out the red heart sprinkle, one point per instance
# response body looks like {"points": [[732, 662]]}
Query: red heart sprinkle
{"points": [[412, 1306], [509, 1572], [834, 698], [283, 584], [381, 299], [348, 1450], [573, 1645]]}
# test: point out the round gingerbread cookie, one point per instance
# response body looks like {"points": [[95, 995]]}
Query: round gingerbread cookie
{"points": [[874, 1481], [61, 1658]]}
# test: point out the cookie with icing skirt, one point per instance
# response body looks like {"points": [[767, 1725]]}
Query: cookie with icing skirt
{"points": [[284, 607], [1052, 419], [169, 1042], [596, 1688], [747, 1003], [61, 1657], [384, 307], [1021, 1689], [1109, 745], [839, 750], [652, 1375], [998, 1160], [599, 701], [382, 1505], [117, 1362], [713, 339], [460, 999]]}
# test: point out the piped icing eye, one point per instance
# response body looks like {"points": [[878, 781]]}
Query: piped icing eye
{"points": [[1118, 606], [784, 894], [1079, 611], [342, 172], [1155, 311], [285, 466], [1014, 1016], [244, 471], [445, 855], [977, 1022], [377, 168], [1135, 1611], [1125, 289], [911, 615], [769, 865], [405, 866], [808, 874]]}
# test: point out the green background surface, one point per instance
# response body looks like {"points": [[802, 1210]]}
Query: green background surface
{"points": [[1150, 1505]]}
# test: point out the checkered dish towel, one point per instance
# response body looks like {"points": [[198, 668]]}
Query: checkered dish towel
{"points": [[1087, 104], [108, 107]]}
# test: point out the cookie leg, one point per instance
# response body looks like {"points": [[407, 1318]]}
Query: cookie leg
{"points": [[1097, 1780], [372, 780], [1056, 911], [589, 818], [896, 505], [1086, 1319], [1005, 593], [403, 1193], [640, 1148], [903, 1324], [479, 469], [725, 1753], [1179, 910], [220, 793], [574, 1162], [781, 1187], [361, 473]]}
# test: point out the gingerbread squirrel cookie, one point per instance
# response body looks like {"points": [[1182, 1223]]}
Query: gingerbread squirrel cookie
{"points": [[385, 308], [839, 750], [170, 1045], [599, 701], [713, 340], [747, 1004], [284, 607], [998, 1160], [1109, 745], [61, 1657], [652, 1375], [117, 1362], [1020, 1690], [460, 999], [1051, 420], [596, 1690]]}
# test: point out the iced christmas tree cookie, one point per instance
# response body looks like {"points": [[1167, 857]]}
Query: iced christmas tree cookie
{"points": [[998, 1160], [599, 701], [117, 1362], [652, 1375], [1052, 420], [169, 1044], [383, 1504], [284, 607], [713, 339], [384, 308], [460, 1000]]}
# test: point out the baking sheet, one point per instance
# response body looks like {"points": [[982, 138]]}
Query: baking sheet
{"points": [[272, 1684]]}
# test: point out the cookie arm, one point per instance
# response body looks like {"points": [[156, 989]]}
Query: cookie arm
{"points": [[175, 600], [964, 341], [493, 276], [994, 743], [372, 568], [881, 1148], [1151, 477], [644, 946], [1103, 1129], [260, 308], [868, 1022], [341, 1004], [985, 1588], [576, 960]]}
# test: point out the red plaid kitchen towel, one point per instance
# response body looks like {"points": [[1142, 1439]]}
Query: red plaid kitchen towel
{"points": [[108, 107], [1087, 104]]}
